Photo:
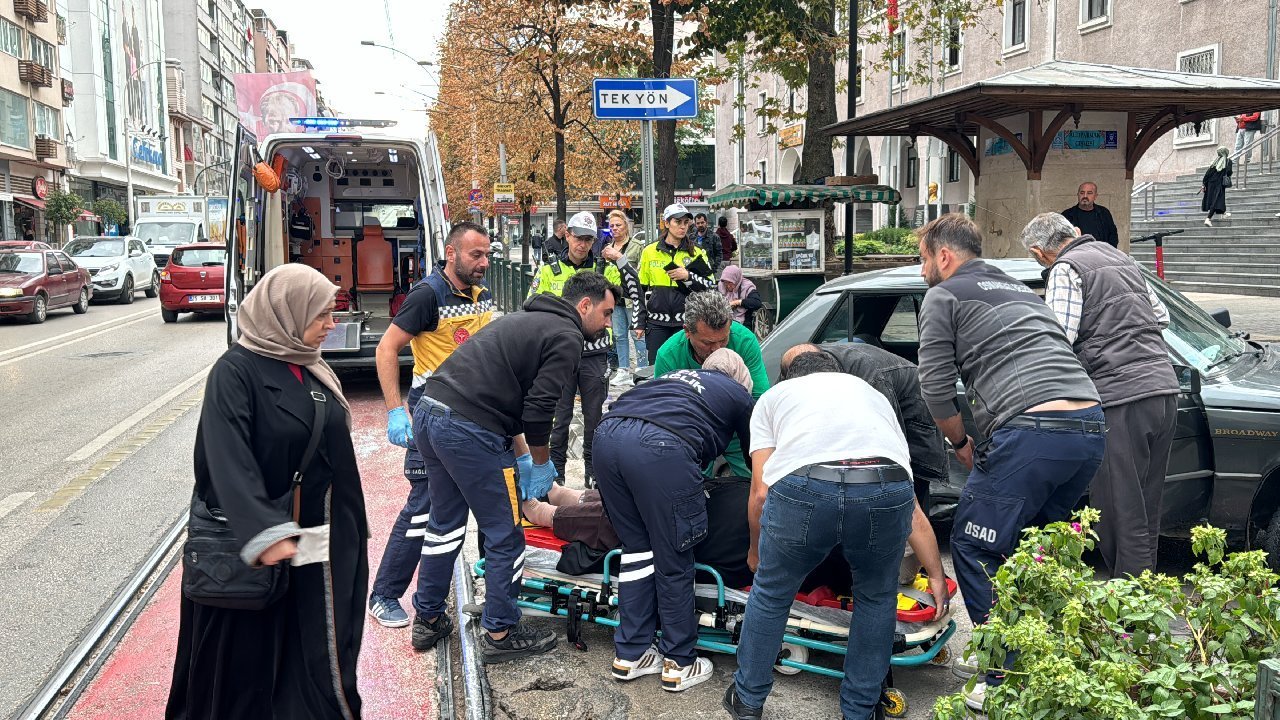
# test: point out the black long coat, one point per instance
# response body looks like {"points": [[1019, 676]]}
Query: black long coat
{"points": [[297, 658], [1215, 194]]}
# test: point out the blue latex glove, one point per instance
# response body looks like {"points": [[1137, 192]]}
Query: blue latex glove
{"points": [[539, 481], [399, 428], [524, 466]]}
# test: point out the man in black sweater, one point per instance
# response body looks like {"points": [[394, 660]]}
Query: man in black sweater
{"points": [[495, 392], [1092, 218]]}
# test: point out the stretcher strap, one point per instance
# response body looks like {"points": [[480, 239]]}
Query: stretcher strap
{"points": [[574, 625]]}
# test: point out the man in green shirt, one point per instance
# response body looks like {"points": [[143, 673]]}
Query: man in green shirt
{"points": [[708, 326]]}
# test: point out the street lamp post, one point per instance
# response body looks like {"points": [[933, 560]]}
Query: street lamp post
{"points": [[850, 157], [128, 143]]}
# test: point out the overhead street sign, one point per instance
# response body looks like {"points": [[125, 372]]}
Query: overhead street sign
{"points": [[645, 98]]}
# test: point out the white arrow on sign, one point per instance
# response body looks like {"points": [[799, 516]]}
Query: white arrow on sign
{"points": [[667, 98]]}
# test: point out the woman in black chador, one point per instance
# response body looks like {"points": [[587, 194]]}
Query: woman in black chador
{"points": [[297, 657]]}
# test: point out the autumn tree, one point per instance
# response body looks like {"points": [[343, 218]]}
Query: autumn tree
{"points": [[520, 72]]}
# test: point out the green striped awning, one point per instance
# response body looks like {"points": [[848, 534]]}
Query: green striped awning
{"points": [[742, 196]]}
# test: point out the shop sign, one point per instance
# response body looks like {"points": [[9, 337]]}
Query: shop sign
{"points": [[695, 196], [610, 202], [791, 136], [145, 152], [40, 188]]}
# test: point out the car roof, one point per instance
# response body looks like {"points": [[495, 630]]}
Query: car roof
{"points": [[202, 246], [104, 237], [25, 244], [908, 277]]}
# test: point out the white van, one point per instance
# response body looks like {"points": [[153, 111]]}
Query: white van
{"points": [[367, 209]]}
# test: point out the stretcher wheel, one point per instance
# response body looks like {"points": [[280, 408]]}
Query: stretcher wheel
{"points": [[798, 653], [943, 657], [895, 703]]}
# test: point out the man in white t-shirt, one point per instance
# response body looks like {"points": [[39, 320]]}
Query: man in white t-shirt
{"points": [[830, 466]]}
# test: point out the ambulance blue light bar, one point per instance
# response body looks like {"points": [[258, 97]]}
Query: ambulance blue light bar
{"points": [[329, 123]]}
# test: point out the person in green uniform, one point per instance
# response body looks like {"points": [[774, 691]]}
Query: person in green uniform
{"points": [[593, 371], [709, 326]]}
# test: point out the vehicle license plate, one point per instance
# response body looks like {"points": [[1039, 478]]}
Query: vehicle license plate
{"points": [[205, 298]]}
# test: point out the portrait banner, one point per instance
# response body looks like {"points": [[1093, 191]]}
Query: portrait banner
{"points": [[266, 101]]}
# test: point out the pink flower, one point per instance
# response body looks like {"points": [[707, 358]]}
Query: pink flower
{"points": [[1125, 636], [1040, 558], [1076, 527]]}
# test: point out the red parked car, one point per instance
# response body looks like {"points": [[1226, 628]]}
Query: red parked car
{"points": [[23, 245], [192, 281], [33, 282]]}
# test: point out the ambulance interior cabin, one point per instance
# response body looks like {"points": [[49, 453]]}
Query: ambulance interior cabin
{"points": [[351, 209]]}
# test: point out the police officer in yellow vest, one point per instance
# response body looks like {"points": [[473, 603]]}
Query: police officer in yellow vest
{"points": [[439, 313], [670, 269], [593, 371]]}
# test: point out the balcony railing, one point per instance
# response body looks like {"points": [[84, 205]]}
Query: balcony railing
{"points": [[46, 147]]}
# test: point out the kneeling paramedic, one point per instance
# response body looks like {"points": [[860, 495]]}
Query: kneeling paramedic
{"points": [[592, 380], [650, 451], [501, 383]]}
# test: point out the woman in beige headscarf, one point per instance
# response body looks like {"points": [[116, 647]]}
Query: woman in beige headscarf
{"points": [[297, 657]]}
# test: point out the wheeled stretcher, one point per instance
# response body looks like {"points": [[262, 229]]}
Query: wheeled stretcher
{"points": [[819, 621]]}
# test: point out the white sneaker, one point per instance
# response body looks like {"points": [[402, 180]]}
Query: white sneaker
{"points": [[1208, 222], [976, 698], [650, 663], [679, 679], [1226, 216], [965, 666]]}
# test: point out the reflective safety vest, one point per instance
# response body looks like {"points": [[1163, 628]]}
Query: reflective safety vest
{"points": [[552, 277], [664, 297]]}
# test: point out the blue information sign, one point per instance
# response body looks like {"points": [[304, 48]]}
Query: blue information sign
{"points": [[645, 98]]}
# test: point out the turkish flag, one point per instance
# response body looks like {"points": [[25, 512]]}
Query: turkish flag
{"points": [[893, 16]]}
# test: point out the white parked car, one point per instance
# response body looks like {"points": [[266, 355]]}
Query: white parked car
{"points": [[119, 266]]}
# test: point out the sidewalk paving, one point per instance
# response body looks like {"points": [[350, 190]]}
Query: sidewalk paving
{"points": [[1258, 316]]}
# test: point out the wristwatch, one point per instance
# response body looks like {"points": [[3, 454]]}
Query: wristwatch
{"points": [[960, 445]]}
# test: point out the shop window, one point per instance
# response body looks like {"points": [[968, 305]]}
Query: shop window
{"points": [[11, 38], [15, 120]]}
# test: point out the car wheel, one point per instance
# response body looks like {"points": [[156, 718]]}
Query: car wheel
{"points": [[39, 311], [82, 306], [154, 289], [126, 292], [1270, 541], [169, 316]]}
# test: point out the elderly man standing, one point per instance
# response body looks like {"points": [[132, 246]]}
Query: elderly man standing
{"points": [[708, 326], [1030, 398], [1113, 319], [1092, 218]]}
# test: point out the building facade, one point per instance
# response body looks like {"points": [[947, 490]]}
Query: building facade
{"points": [[213, 41], [33, 151], [271, 51], [121, 126], [1195, 36]]}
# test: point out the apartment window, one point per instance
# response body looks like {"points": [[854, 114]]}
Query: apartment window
{"points": [[42, 53], [47, 122], [954, 39], [762, 124], [206, 73], [11, 38], [1093, 10], [953, 166], [898, 64], [913, 167], [791, 101], [1015, 25], [1201, 61], [206, 108], [15, 120], [764, 171], [108, 86], [857, 79]]}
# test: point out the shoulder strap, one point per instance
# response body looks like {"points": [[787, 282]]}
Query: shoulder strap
{"points": [[317, 427]]}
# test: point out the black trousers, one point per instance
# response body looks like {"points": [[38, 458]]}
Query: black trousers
{"points": [[1129, 486], [655, 336], [593, 385]]}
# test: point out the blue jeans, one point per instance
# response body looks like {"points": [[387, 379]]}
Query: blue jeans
{"points": [[803, 520], [404, 546], [622, 337]]}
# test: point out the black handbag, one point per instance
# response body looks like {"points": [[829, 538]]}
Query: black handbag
{"points": [[213, 572], [1226, 181]]}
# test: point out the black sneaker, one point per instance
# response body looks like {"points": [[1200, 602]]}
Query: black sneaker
{"points": [[427, 634], [521, 641], [738, 709]]}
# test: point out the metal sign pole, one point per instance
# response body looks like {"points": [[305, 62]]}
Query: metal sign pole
{"points": [[650, 192]]}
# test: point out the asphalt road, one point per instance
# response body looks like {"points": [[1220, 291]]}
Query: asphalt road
{"points": [[95, 464]]}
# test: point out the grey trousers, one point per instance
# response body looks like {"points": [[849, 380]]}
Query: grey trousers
{"points": [[1129, 485]]}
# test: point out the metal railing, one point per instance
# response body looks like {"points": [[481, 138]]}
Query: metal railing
{"points": [[1265, 143], [509, 281], [1146, 194]]}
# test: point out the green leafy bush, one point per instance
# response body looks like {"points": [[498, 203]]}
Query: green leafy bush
{"points": [[885, 241], [62, 208], [111, 211], [1137, 648]]}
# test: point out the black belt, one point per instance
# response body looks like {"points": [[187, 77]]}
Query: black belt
{"points": [[855, 474], [1095, 427]]}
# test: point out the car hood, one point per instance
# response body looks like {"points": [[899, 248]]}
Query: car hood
{"points": [[1251, 383], [9, 280], [91, 263]]}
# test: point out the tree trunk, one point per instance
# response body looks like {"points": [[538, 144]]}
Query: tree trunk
{"points": [[816, 159], [665, 154]]}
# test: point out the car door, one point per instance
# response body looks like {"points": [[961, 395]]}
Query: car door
{"points": [[71, 275], [138, 262], [56, 285]]}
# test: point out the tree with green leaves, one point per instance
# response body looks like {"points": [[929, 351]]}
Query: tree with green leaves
{"points": [[62, 208], [111, 212]]}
